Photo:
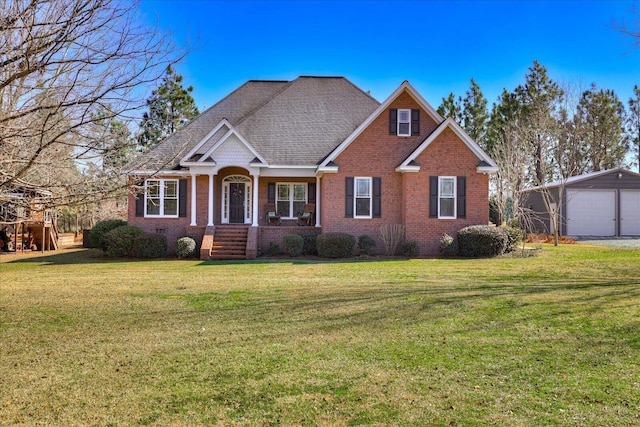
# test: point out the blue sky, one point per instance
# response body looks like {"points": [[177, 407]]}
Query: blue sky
{"points": [[437, 45]]}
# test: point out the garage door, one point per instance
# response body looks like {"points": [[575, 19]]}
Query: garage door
{"points": [[591, 212], [629, 213]]}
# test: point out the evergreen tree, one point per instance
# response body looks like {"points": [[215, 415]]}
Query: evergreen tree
{"points": [[633, 122], [540, 98], [171, 106], [601, 114], [474, 114], [451, 107]]}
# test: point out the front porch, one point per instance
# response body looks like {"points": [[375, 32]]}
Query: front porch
{"points": [[241, 242]]}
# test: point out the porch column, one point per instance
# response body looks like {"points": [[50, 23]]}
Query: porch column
{"points": [[193, 199], [210, 208], [318, 192], [255, 200]]}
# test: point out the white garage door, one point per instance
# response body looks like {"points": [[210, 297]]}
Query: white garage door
{"points": [[630, 213], [591, 212]]}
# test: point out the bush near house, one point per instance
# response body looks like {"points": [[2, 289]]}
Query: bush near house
{"points": [[366, 244], [481, 241], [100, 229], [293, 245], [149, 246], [309, 242], [120, 240], [335, 245], [410, 249], [447, 245], [514, 236], [185, 247]]}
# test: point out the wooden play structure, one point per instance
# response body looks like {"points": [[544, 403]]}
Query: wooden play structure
{"points": [[32, 228]]}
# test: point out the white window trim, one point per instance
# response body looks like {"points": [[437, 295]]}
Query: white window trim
{"points": [[440, 197], [355, 197], [400, 111], [161, 184], [291, 193]]}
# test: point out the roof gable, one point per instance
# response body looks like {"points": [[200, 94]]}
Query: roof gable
{"points": [[583, 177], [405, 86], [486, 164]]}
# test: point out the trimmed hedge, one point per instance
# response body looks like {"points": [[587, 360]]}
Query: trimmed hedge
{"points": [[410, 249], [482, 241], [309, 242], [149, 246], [120, 240], [293, 245], [447, 245], [100, 229], [185, 247], [335, 245], [366, 244]]}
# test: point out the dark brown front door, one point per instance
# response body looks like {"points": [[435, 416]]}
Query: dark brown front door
{"points": [[236, 203]]}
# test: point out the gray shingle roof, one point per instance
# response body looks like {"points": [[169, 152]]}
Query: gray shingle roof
{"points": [[288, 123]]}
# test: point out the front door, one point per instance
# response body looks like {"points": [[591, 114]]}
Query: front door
{"points": [[236, 203]]}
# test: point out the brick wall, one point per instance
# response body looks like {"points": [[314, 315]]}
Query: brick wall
{"points": [[405, 198]]}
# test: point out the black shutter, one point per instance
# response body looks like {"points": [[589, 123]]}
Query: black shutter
{"points": [[348, 197], [393, 121], [182, 197], [461, 194], [271, 192], [415, 122], [377, 197], [311, 193], [140, 204], [433, 197]]}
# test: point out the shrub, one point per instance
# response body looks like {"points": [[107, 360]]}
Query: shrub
{"points": [[514, 236], [149, 246], [392, 236], [100, 229], [410, 249], [293, 245], [335, 245], [447, 245], [120, 240], [274, 249], [366, 244], [309, 242], [185, 247], [481, 241]]}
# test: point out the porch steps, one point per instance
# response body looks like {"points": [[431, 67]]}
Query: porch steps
{"points": [[230, 242]]}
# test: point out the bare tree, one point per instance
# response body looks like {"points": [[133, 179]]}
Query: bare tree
{"points": [[64, 66]]}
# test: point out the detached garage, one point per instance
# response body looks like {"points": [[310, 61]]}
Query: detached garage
{"points": [[599, 204]]}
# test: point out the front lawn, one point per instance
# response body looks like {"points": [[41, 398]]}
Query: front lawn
{"points": [[552, 340]]}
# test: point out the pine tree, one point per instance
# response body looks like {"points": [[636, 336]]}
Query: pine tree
{"points": [[451, 107], [601, 114], [474, 114], [633, 122], [171, 106]]}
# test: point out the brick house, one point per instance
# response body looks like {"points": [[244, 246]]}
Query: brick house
{"points": [[315, 141]]}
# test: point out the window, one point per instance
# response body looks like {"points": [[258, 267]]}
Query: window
{"points": [[404, 122], [290, 199], [161, 198], [362, 197], [446, 197]]}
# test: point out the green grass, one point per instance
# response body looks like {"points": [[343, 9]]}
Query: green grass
{"points": [[552, 340]]}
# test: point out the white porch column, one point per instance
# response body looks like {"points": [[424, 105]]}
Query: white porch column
{"points": [[210, 207], [254, 214], [317, 201], [193, 199]]}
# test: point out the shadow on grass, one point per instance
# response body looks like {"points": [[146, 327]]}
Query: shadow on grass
{"points": [[67, 257]]}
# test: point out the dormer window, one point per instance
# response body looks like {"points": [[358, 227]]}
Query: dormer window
{"points": [[404, 122]]}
